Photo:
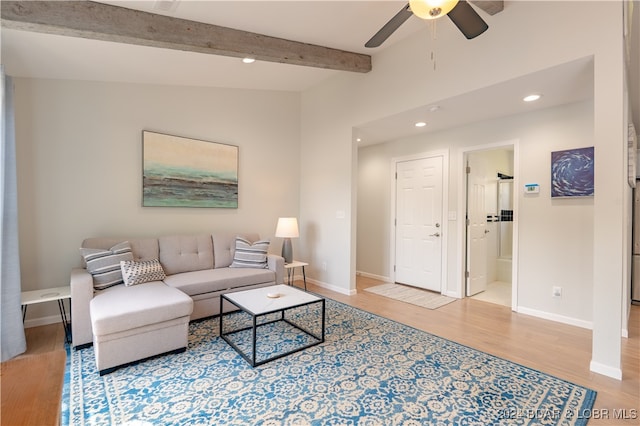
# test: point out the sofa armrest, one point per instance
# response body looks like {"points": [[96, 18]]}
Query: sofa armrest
{"points": [[81, 283], [276, 264]]}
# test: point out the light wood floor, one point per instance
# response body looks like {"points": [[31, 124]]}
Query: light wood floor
{"points": [[31, 389], [561, 350], [557, 349]]}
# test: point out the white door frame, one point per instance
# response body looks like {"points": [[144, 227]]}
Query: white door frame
{"points": [[445, 207], [462, 207]]}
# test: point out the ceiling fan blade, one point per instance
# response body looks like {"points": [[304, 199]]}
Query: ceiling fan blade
{"points": [[467, 20], [389, 28]]}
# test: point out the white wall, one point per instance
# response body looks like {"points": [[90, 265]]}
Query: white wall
{"points": [[79, 151], [404, 78], [555, 236]]}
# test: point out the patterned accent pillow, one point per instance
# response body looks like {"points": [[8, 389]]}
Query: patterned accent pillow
{"points": [[104, 265], [250, 255], [141, 272]]}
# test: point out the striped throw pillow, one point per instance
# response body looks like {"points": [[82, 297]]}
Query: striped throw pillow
{"points": [[250, 255], [140, 272], [104, 265]]}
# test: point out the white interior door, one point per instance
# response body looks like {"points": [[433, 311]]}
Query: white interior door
{"points": [[418, 245], [476, 233]]}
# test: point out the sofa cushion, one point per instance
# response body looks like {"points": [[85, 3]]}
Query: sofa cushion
{"points": [[141, 272], [104, 265], [123, 308], [250, 255], [224, 246], [212, 280], [182, 253], [142, 248]]}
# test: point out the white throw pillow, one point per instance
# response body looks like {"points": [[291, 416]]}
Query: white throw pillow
{"points": [[142, 271], [250, 255]]}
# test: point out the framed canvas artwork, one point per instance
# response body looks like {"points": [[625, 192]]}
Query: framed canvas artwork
{"points": [[572, 173], [184, 172], [632, 150]]}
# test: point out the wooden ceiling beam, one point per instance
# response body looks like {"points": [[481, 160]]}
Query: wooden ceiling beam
{"points": [[490, 6], [106, 22]]}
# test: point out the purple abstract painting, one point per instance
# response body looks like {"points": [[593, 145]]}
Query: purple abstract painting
{"points": [[572, 173]]}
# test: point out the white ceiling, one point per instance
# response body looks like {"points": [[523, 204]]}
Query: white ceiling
{"points": [[345, 25], [567, 83]]}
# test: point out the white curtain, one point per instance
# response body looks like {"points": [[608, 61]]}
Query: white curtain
{"points": [[13, 340]]}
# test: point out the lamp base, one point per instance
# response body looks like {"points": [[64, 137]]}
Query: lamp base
{"points": [[287, 250]]}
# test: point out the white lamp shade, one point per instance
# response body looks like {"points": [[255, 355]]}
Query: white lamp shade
{"points": [[287, 227]]}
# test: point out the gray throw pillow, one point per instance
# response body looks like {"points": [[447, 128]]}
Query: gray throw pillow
{"points": [[104, 265], [248, 255]]}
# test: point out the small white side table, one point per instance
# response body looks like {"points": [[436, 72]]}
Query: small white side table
{"points": [[291, 267], [49, 295]]}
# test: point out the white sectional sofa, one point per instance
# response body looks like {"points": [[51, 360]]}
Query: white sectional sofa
{"points": [[130, 323]]}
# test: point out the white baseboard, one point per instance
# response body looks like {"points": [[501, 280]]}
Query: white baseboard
{"points": [[453, 294], [606, 370], [36, 322], [374, 276], [296, 277], [555, 317], [332, 287]]}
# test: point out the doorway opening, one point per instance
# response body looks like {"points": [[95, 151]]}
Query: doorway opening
{"points": [[489, 211]]}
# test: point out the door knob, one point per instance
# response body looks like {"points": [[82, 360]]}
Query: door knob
{"points": [[437, 234], [486, 231]]}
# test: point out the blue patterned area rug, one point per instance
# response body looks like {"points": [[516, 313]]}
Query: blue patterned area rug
{"points": [[369, 371]]}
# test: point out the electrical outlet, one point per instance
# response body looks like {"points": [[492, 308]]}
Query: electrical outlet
{"points": [[324, 266], [557, 291]]}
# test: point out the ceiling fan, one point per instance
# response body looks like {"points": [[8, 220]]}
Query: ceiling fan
{"points": [[459, 11]]}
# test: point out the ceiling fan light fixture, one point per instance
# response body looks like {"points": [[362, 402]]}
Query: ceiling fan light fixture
{"points": [[431, 9]]}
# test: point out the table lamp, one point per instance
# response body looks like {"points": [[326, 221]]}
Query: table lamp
{"points": [[287, 228]]}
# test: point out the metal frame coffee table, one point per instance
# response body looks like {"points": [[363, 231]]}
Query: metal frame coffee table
{"points": [[258, 303]]}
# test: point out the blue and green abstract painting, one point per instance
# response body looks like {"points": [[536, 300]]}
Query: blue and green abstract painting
{"points": [[183, 172]]}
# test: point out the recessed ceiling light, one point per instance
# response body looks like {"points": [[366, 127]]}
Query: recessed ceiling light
{"points": [[532, 97], [359, 140], [166, 5], [420, 124], [434, 108], [248, 60]]}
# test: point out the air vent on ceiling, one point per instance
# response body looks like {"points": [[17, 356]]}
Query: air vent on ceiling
{"points": [[166, 5]]}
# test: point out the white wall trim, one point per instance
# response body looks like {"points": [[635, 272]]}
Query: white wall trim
{"points": [[37, 322], [555, 317], [374, 276], [605, 370], [450, 293], [444, 153], [331, 287]]}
